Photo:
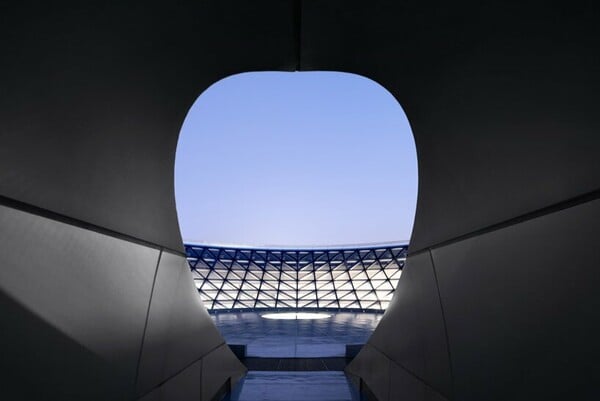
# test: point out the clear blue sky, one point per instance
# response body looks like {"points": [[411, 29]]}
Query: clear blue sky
{"points": [[296, 159]]}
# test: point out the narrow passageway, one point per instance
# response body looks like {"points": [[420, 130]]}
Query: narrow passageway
{"points": [[296, 359], [289, 201]]}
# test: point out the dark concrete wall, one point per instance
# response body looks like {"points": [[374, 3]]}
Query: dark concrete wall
{"points": [[497, 300], [96, 297]]}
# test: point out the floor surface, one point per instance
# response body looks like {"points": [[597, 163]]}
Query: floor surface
{"points": [[294, 386]]}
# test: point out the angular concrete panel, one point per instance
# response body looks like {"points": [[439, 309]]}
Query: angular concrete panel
{"points": [[39, 362], [92, 110], [501, 99], [179, 330], [218, 367], [406, 387], [185, 386], [158, 330], [154, 395], [91, 288], [374, 368], [411, 332], [522, 308]]}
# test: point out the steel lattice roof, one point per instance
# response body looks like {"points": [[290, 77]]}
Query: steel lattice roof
{"points": [[230, 278]]}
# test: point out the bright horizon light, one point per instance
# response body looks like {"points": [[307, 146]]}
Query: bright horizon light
{"points": [[295, 316]]}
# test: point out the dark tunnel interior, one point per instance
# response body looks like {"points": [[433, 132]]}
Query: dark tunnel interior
{"points": [[498, 298]]}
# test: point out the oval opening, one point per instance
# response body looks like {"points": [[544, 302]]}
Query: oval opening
{"points": [[310, 159], [296, 194]]}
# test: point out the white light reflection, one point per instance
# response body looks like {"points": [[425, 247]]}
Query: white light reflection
{"points": [[296, 316]]}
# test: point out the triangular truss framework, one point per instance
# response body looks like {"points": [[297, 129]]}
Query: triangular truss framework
{"points": [[346, 278]]}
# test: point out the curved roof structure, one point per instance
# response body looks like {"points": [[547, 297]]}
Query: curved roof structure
{"points": [[343, 277]]}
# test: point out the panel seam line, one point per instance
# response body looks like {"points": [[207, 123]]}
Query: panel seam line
{"points": [[298, 33], [408, 371], [137, 371], [437, 286], [544, 211], [161, 383], [75, 222]]}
